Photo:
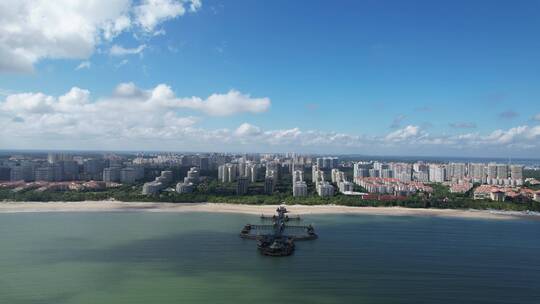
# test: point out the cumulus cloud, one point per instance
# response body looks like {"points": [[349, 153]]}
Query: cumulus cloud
{"points": [[518, 134], [118, 50], [31, 30], [408, 133], [133, 116], [152, 12], [129, 112], [216, 104], [246, 129]]}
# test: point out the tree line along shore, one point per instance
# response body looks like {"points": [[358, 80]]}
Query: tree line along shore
{"points": [[440, 199]]}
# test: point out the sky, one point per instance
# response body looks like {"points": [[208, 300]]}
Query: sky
{"points": [[437, 78]]}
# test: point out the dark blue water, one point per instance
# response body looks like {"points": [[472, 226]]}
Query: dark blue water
{"points": [[199, 258]]}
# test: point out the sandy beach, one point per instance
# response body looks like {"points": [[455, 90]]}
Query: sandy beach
{"points": [[115, 206]]}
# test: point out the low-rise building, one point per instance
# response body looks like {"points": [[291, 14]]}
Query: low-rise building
{"points": [[460, 188], [184, 187], [392, 186], [152, 188], [501, 193]]}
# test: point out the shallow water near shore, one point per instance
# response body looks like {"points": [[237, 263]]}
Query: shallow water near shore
{"points": [[138, 257]]}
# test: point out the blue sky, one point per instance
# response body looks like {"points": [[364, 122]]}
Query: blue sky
{"points": [[462, 75]]}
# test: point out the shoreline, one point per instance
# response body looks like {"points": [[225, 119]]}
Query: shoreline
{"points": [[116, 206]]}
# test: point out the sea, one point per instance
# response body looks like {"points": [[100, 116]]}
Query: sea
{"points": [[150, 257]]}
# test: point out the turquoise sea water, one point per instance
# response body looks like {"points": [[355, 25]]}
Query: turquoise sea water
{"points": [[199, 258]]}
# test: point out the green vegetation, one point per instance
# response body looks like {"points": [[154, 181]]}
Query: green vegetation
{"points": [[215, 192]]}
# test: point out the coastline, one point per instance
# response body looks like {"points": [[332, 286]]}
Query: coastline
{"points": [[116, 206]]}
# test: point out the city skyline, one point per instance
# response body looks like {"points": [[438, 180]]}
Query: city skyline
{"points": [[385, 78]]}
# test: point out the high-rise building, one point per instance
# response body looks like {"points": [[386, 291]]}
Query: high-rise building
{"points": [[437, 173], [345, 186], [58, 157], [387, 173], [457, 170], [128, 175], [327, 162], [337, 176], [111, 174], [516, 172], [242, 185], [502, 171], [251, 172], [491, 171], [421, 167], [204, 163], [5, 173], [374, 173], [325, 189], [70, 170], [139, 171], [300, 189], [22, 172], [269, 185], [380, 166], [477, 172], [46, 174], [228, 172], [418, 176], [297, 176], [192, 176], [166, 176], [319, 162], [317, 175], [361, 169], [93, 169]]}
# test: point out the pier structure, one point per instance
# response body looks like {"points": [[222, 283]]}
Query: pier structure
{"points": [[278, 239]]}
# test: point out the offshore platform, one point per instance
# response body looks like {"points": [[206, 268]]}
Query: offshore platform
{"points": [[278, 238]]}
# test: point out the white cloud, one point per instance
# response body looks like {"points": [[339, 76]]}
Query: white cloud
{"points": [[83, 65], [31, 30], [118, 50], [216, 104], [248, 130], [514, 135], [408, 133], [152, 12], [130, 112], [132, 116]]}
